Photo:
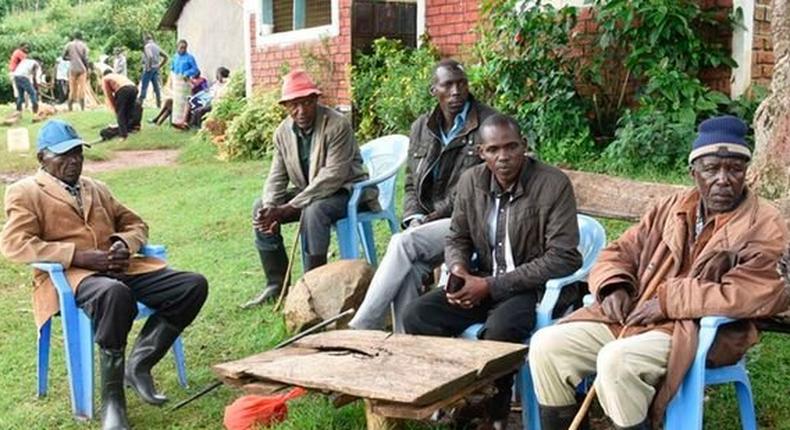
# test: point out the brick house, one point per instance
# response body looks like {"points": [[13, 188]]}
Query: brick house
{"points": [[281, 34]]}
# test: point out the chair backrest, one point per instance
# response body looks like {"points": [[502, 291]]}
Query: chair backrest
{"points": [[383, 158], [592, 239]]}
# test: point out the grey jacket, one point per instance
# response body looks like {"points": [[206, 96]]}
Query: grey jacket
{"points": [[335, 163], [542, 227], [424, 192]]}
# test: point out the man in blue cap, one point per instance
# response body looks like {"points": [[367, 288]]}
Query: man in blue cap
{"points": [[711, 250], [62, 217]]}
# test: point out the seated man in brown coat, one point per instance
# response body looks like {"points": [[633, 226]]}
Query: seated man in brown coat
{"points": [[711, 250], [58, 216]]}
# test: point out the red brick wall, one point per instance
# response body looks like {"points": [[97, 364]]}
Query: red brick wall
{"points": [[268, 62], [451, 24], [762, 46]]}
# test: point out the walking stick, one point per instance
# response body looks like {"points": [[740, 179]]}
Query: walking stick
{"points": [[211, 387], [287, 279], [649, 292]]}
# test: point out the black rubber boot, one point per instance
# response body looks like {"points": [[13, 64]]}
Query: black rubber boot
{"points": [[275, 264], [557, 417], [155, 339], [113, 399], [314, 261], [644, 425]]}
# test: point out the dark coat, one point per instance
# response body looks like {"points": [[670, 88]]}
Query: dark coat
{"points": [[425, 193], [544, 234]]}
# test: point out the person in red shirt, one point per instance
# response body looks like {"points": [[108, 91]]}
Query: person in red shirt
{"points": [[17, 56]]}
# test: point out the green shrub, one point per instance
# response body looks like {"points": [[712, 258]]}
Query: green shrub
{"points": [[390, 87], [523, 71], [250, 134]]}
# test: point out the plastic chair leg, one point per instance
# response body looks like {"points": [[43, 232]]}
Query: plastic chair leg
{"points": [[43, 358], [368, 242], [81, 396], [178, 355], [746, 405], [530, 415]]}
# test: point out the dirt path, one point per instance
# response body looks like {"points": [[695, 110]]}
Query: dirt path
{"points": [[121, 160], [133, 159]]}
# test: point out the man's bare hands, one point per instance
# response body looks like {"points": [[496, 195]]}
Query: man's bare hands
{"points": [[116, 259], [617, 304], [649, 313], [268, 220], [474, 291]]}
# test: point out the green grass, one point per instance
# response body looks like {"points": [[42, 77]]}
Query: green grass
{"points": [[200, 210]]}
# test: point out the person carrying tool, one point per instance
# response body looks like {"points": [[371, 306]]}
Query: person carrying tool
{"points": [[315, 151], [711, 250], [62, 217]]}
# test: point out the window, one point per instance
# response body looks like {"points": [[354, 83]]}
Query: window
{"points": [[288, 15]]}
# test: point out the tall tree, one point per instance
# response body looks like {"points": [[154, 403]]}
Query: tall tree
{"points": [[770, 171]]}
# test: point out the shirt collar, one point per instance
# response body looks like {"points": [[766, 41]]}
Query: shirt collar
{"points": [[67, 187], [458, 124], [302, 133]]}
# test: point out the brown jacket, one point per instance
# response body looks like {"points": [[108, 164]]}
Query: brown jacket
{"points": [[43, 224], [733, 274], [335, 163], [544, 235]]}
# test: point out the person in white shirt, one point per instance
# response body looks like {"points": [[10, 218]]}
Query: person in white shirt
{"points": [[62, 79]]}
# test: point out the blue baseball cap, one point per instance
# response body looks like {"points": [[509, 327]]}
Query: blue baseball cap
{"points": [[58, 136]]}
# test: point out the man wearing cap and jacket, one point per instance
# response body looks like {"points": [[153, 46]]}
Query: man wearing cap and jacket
{"points": [[712, 250], [442, 145], [315, 152], [62, 217]]}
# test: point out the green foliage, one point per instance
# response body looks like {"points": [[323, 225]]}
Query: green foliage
{"points": [[233, 102], [524, 72], [390, 87], [105, 25], [250, 135]]}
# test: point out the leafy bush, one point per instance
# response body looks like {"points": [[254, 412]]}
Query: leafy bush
{"points": [[390, 87], [524, 71], [250, 134]]}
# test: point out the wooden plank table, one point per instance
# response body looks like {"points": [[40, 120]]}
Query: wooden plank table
{"points": [[399, 376]]}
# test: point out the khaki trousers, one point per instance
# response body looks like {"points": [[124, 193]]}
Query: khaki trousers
{"points": [[562, 355], [77, 84]]}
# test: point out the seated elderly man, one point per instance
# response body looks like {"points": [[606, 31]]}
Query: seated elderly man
{"points": [[519, 216], [315, 152], [710, 250], [62, 217]]}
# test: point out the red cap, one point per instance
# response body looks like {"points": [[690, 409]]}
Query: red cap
{"points": [[297, 84]]}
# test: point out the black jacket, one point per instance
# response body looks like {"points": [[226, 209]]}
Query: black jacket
{"points": [[426, 192]]}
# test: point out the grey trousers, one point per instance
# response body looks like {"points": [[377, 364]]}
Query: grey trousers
{"points": [[317, 220], [411, 255]]}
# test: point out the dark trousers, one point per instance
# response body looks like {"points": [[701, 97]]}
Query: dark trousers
{"points": [[62, 90], [111, 301], [510, 320], [317, 220], [152, 77], [23, 85], [125, 99]]}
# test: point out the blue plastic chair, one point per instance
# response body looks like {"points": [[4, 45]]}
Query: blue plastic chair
{"points": [[383, 158], [78, 340], [592, 239], [686, 408]]}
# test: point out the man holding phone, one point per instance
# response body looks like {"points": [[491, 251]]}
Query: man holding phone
{"points": [[519, 216]]}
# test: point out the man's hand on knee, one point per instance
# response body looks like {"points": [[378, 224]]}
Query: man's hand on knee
{"points": [[617, 304], [474, 290], [119, 257]]}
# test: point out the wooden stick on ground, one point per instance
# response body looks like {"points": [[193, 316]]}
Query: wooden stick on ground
{"points": [[287, 279], [649, 292]]}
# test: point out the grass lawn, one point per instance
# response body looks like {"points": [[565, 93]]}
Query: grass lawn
{"points": [[200, 210]]}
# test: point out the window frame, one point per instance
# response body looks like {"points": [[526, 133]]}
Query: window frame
{"points": [[265, 37]]}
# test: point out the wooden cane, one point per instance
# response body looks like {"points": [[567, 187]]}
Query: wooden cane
{"points": [[649, 292], [287, 279]]}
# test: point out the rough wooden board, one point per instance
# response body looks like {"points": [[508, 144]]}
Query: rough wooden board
{"points": [[263, 388], [370, 364], [406, 411]]}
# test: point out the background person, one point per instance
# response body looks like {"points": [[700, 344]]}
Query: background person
{"points": [[76, 53]]}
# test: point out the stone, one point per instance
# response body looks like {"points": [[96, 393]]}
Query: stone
{"points": [[326, 291]]}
